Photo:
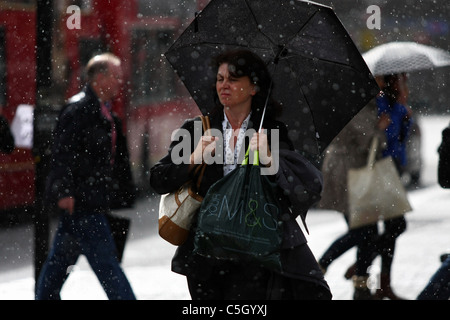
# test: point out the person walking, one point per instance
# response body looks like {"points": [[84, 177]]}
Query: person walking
{"points": [[89, 159], [6, 137], [347, 151], [241, 87], [438, 287], [393, 104]]}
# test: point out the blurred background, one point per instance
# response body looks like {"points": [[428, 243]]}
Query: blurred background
{"points": [[44, 46]]}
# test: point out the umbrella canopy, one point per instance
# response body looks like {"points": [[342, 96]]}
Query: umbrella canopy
{"points": [[319, 76], [399, 57]]}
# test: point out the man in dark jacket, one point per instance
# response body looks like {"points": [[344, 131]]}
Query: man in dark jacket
{"points": [[6, 138], [89, 165]]}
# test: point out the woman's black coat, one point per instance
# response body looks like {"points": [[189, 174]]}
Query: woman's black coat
{"points": [[165, 177]]}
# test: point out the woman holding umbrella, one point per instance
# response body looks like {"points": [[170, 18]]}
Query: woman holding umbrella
{"points": [[241, 90]]}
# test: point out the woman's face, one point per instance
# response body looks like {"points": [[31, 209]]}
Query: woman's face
{"points": [[233, 91]]}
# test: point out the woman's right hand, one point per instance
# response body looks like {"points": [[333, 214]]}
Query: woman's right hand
{"points": [[206, 147]]}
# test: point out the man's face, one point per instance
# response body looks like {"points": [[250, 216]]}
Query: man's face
{"points": [[110, 83]]}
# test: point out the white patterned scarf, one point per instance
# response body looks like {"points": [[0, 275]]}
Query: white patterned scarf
{"points": [[231, 156]]}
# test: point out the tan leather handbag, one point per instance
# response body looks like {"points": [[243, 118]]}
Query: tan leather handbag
{"points": [[178, 209]]}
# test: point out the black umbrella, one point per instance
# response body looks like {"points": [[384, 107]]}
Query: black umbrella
{"points": [[320, 77]]}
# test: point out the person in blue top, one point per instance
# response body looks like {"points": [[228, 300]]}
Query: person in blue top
{"points": [[393, 104], [396, 116]]}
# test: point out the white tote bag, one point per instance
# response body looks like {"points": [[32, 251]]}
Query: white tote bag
{"points": [[375, 191]]}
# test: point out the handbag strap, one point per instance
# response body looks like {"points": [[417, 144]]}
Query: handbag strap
{"points": [[206, 126], [372, 152]]}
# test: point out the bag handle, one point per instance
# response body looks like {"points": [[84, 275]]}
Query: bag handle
{"points": [[255, 157], [372, 152], [256, 152], [206, 126]]}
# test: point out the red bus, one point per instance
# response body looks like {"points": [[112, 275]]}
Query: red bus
{"points": [[17, 87], [153, 102]]}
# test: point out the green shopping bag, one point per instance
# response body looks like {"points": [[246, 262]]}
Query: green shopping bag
{"points": [[239, 218]]}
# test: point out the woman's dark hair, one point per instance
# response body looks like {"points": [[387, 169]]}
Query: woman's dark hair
{"points": [[244, 63]]}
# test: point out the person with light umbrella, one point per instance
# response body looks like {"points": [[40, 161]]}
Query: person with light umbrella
{"points": [[393, 104], [348, 151], [389, 63]]}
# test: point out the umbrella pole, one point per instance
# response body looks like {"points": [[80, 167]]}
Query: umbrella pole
{"points": [[256, 152], [265, 106]]}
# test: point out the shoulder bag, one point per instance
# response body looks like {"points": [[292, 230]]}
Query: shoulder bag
{"points": [[177, 209], [375, 191], [239, 219]]}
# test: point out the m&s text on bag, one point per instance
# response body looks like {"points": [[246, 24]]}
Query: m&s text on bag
{"points": [[250, 213]]}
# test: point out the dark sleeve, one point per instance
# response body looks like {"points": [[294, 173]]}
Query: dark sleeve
{"points": [[444, 160], [64, 155], [405, 126], [6, 138], [285, 142], [165, 175], [300, 181]]}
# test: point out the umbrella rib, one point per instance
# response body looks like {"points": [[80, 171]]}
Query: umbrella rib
{"points": [[313, 58], [307, 102], [212, 44], [319, 59], [303, 26], [268, 38], [257, 24]]}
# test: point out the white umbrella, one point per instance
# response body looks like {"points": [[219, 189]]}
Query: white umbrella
{"points": [[398, 57]]}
